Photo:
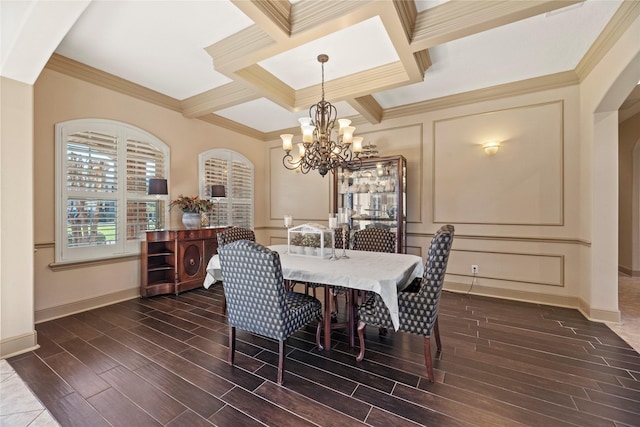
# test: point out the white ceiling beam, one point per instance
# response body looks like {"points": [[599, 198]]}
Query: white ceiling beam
{"points": [[368, 108], [455, 19], [217, 99]]}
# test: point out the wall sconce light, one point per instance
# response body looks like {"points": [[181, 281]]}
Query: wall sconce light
{"points": [[491, 148]]}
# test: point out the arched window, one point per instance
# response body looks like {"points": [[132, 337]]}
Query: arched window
{"points": [[102, 171], [235, 172]]}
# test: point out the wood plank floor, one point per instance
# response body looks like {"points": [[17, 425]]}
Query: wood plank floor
{"points": [[162, 361]]}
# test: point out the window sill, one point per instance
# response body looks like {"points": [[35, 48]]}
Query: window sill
{"points": [[72, 265]]}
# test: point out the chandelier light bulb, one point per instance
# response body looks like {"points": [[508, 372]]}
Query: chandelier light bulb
{"points": [[343, 123], [357, 144], [287, 143], [347, 134]]}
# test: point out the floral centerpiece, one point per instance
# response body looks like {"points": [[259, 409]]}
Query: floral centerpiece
{"points": [[193, 209]]}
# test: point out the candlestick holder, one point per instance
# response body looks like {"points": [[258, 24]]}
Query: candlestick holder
{"points": [[345, 241], [288, 222], [333, 225]]}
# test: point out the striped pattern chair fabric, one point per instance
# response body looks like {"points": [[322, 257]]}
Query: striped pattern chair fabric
{"points": [[418, 308], [258, 300]]}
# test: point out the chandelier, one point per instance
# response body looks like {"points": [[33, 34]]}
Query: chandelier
{"points": [[320, 149]]}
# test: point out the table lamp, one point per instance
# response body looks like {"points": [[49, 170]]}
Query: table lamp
{"points": [[217, 191], [157, 187]]}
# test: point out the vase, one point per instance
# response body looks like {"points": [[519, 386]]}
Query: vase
{"points": [[191, 219]]}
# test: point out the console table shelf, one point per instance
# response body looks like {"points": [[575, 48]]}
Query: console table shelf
{"points": [[174, 261]]}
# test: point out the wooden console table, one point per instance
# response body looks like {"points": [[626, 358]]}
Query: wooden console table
{"points": [[174, 261]]}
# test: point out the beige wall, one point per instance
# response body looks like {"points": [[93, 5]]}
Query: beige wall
{"points": [[516, 213], [601, 94], [59, 98], [629, 207], [17, 332]]}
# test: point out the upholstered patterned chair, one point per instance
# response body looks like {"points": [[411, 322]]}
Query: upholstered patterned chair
{"points": [[257, 299], [418, 308], [233, 234], [374, 239]]}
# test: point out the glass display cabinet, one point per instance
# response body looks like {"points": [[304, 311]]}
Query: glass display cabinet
{"points": [[374, 196]]}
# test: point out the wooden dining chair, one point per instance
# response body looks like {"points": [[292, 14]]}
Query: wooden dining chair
{"points": [[418, 308], [233, 234], [258, 300]]}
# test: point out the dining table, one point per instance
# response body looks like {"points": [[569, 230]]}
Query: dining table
{"points": [[379, 272]]}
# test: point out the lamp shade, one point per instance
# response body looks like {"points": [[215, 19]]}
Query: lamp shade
{"points": [[157, 186], [217, 190]]}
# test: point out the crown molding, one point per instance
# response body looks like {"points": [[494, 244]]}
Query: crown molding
{"points": [[617, 25], [83, 72], [456, 19], [552, 81], [222, 122]]}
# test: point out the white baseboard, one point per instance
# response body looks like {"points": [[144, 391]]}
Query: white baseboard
{"points": [[536, 298], [84, 305], [14, 346]]}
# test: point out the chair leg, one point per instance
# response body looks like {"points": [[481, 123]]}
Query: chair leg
{"points": [[232, 344], [436, 331], [361, 326], [224, 305], [427, 358], [282, 348]]}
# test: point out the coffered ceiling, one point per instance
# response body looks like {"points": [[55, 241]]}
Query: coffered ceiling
{"points": [[252, 65]]}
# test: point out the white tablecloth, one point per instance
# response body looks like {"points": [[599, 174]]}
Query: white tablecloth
{"points": [[382, 273]]}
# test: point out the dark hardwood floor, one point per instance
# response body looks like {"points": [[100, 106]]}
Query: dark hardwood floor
{"points": [[162, 361]]}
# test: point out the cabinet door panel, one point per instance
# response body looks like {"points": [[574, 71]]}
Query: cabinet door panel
{"points": [[191, 264]]}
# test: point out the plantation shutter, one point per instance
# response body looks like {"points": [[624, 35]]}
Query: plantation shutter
{"points": [[144, 161], [241, 194], [235, 172], [91, 177]]}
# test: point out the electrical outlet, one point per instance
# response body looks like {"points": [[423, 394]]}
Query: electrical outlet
{"points": [[474, 269]]}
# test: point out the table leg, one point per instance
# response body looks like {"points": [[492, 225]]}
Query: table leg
{"points": [[352, 316], [327, 318]]}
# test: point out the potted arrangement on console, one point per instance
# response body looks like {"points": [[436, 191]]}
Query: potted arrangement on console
{"points": [[192, 210]]}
